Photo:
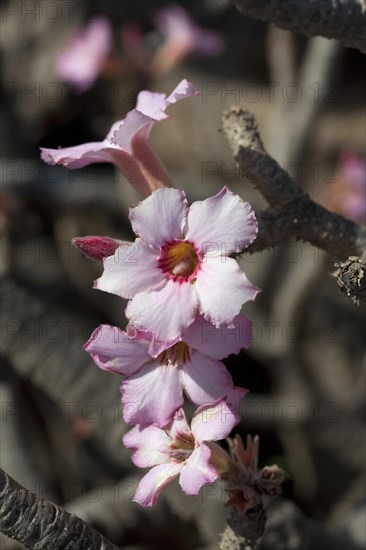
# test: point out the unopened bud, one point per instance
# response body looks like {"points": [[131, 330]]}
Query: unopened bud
{"points": [[96, 248]]}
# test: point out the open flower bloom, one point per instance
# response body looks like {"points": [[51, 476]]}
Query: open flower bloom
{"points": [[157, 372], [127, 143], [180, 450], [85, 56], [182, 37], [180, 265]]}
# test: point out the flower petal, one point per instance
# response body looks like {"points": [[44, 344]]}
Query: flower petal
{"points": [[151, 445], [161, 217], [178, 425], [112, 350], [197, 471], [205, 380], [81, 155], [152, 484], [218, 342], [165, 312], [214, 422], [132, 268], [221, 225], [222, 288], [152, 395]]}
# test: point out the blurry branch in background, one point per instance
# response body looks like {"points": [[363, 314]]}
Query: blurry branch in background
{"points": [[343, 20], [291, 212], [41, 524]]}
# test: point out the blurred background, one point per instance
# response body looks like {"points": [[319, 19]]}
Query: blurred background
{"points": [[61, 417]]}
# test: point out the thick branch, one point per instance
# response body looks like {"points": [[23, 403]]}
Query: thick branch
{"points": [[291, 212], [343, 20], [42, 525]]}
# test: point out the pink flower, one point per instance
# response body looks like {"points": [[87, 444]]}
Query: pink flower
{"points": [[85, 56], [180, 450], [182, 37], [346, 193], [180, 265], [157, 373], [127, 143]]}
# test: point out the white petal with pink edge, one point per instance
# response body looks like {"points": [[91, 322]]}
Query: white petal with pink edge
{"points": [[215, 421], [153, 395], [150, 445], [197, 471], [165, 312], [205, 380], [161, 217], [222, 289], [218, 342], [221, 225], [112, 350], [132, 268], [154, 481]]}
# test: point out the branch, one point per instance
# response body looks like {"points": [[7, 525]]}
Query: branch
{"points": [[343, 20], [40, 524], [291, 211]]}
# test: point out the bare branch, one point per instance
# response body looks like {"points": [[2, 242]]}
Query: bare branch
{"points": [[343, 20], [291, 212], [40, 524]]}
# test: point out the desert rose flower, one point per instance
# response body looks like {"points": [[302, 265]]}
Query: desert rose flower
{"points": [[127, 143], [183, 37], [85, 56], [180, 450], [181, 264], [346, 194], [157, 373]]}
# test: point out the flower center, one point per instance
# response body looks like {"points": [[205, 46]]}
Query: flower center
{"points": [[179, 260], [182, 446], [176, 355]]}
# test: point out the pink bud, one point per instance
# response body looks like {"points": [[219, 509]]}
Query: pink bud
{"points": [[96, 248]]}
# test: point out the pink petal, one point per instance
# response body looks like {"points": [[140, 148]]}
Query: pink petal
{"points": [[85, 55], [81, 155], [152, 484], [152, 395], [161, 217], [222, 224], [222, 288], [214, 422], [151, 445], [197, 471], [131, 269], [165, 312], [206, 380], [218, 342], [112, 350]]}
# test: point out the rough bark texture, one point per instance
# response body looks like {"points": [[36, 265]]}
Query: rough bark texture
{"points": [[291, 212], [42, 525], [243, 532], [343, 20]]}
